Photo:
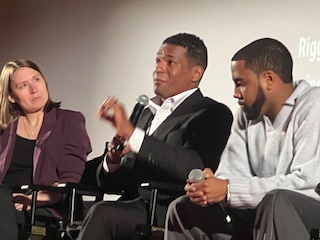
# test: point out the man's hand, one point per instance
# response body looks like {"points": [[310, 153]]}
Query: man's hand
{"points": [[114, 112], [117, 149], [210, 190]]}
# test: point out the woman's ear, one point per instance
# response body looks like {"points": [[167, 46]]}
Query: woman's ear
{"points": [[11, 99]]}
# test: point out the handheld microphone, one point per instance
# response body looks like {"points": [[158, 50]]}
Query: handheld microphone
{"points": [[197, 175], [142, 102]]}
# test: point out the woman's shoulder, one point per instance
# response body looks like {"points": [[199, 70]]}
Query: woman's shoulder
{"points": [[68, 114], [68, 111]]}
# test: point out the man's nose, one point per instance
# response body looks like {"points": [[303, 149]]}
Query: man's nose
{"points": [[236, 93], [159, 67]]}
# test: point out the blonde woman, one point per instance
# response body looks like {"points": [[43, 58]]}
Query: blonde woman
{"points": [[39, 142]]}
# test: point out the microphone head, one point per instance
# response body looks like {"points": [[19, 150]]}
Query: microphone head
{"points": [[195, 175], [143, 100]]}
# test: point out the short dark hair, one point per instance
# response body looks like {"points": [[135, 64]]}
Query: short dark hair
{"points": [[267, 54], [196, 50]]}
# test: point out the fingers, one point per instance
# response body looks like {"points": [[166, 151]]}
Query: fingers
{"points": [[18, 206], [22, 207], [198, 198], [208, 173], [189, 188], [106, 110], [207, 191], [117, 144], [18, 197], [21, 202], [115, 113]]}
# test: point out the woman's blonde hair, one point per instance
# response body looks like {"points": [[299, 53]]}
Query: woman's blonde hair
{"points": [[9, 111]]}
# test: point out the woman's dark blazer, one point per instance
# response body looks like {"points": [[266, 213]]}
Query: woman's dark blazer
{"points": [[60, 151]]}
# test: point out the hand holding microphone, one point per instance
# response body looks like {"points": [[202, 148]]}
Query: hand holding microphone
{"points": [[195, 187], [114, 112], [203, 187]]}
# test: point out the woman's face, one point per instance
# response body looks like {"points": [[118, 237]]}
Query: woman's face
{"points": [[28, 90]]}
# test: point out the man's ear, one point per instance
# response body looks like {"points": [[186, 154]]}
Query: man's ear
{"points": [[197, 74], [269, 77], [11, 99]]}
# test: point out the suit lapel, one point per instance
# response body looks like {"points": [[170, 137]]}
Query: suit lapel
{"points": [[166, 127], [45, 132], [145, 119], [7, 146], [190, 105]]}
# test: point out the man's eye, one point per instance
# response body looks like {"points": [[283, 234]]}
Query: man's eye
{"points": [[170, 62]]}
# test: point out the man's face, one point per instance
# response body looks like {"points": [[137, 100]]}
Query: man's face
{"points": [[248, 91], [173, 73]]}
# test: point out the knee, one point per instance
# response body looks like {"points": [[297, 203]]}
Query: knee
{"points": [[4, 190], [5, 193], [275, 198], [98, 209], [279, 194], [174, 205]]}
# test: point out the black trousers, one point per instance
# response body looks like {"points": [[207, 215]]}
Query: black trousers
{"points": [[8, 220], [113, 220]]}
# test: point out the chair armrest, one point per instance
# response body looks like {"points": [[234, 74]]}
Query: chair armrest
{"points": [[164, 187], [72, 189], [85, 189], [168, 189]]}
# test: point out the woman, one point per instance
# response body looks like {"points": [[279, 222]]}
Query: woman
{"points": [[39, 142]]}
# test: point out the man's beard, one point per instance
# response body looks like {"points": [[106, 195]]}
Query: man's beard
{"points": [[253, 112]]}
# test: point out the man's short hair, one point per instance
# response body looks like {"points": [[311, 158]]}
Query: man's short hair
{"points": [[196, 50], [267, 54]]}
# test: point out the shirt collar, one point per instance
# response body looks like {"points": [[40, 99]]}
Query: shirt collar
{"points": [[174, 101], [300, 87]]}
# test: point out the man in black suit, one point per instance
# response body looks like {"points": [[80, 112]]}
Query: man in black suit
{"points": [[180, 130]]}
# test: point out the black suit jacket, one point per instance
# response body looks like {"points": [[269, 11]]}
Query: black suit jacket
{"points": [[193, 136]]}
